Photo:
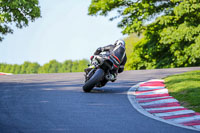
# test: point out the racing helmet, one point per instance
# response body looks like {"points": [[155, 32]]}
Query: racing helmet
{"points": [[120, 42]]}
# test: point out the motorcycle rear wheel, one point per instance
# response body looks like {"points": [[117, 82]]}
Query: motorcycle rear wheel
{"points": [[89, 85]]}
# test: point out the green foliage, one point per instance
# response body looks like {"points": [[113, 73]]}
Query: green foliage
{"points": [[171, 38], [26, 68], [67, 66], [133, 13], [82, 64], [18, 12], [52, 67], [131, 42]]}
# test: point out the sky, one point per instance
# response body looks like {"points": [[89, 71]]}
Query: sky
{"points": [[64, 31]]}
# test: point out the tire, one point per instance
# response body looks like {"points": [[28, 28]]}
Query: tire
{"points": [[89, 85]]}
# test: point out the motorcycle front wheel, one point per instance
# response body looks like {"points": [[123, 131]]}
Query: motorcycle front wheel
{"points": [[89, 85]]}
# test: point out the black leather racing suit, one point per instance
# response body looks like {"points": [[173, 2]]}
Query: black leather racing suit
{"points": [[117, 53]]}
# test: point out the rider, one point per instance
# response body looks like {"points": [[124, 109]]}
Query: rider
{"points": [[117, 54]]}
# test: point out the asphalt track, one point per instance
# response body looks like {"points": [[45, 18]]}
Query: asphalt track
{"points": [[51, 103]]}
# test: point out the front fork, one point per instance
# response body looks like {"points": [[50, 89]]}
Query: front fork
{"points": [[88, 73]]}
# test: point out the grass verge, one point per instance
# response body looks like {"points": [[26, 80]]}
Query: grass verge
{"points": [[185, 88]]}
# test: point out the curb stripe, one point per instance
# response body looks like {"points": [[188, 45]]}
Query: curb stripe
{"points": [[151, 100], [158, 80], [160, 91], [192, 123], [165, 111], [151, 88], [179, 116], [159, 102], [143, 91], [152, 96], [197, 126], [192, 119], [153, 83], [164, 108], [162, 105], [2, 73], [174, 113]]}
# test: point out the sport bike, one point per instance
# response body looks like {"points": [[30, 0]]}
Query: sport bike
{"points": [[100, 71]]}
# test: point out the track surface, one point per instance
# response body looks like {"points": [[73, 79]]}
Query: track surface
{"points": [[51, 103]]}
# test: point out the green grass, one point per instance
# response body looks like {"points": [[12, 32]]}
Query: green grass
{"points": [[185, 88]]}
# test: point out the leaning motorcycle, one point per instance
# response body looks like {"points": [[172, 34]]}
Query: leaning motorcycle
{"points": [[99, 72]]}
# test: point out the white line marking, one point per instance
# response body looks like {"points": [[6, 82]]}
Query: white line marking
{"points": [[159, 102], [162, 91], [151, 87], [185, 119], [197, 126], [174, 113], [164, 108], [160, 80], [139, 99]]}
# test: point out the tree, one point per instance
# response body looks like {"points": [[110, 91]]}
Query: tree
{"points": [[24, 67], [32, 68], [17, 69], [2, 67], [75, 66], [171, 29], [173, 39], [8, 67], [18, 12], [133, 13], [82, 65], [67, 66], [131, 42], [52, 67]]}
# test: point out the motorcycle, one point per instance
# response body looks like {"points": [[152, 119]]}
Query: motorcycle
{"points": [[99, 72]]}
